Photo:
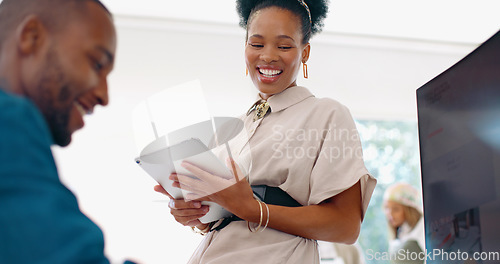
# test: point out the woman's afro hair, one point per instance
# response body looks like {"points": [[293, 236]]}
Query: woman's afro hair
{"points": [[318, 8]]}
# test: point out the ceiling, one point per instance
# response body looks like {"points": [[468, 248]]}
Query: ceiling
{"points": [[463, 21]]}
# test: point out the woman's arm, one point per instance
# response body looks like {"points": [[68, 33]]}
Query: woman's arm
{"points": [[336, 219]]}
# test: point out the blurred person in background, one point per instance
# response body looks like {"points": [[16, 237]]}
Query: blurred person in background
{"points": [[403, 210]]}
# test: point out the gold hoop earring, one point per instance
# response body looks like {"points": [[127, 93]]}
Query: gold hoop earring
{"points": [[304, 70], [246, 71]]}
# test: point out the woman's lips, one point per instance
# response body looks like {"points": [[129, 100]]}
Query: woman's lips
{"points": [[269, 75]]}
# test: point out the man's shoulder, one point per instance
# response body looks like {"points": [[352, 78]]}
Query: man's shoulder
{"points": [[14, 104], [23, 128], [19, 115]]}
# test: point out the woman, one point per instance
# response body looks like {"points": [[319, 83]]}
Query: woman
{"points": [[404, 217], [308, 148]]}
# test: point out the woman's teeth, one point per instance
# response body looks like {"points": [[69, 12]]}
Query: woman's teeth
{"points": [[269, 73]]}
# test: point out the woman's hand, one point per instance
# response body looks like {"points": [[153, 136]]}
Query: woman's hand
{"points": [[336, 219], [234, 194], [185, 212]]}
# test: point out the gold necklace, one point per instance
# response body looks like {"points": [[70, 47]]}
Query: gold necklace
{"points": [[261, 110]]}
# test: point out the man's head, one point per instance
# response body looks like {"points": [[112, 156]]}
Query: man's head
{"points": [[58, 53]]}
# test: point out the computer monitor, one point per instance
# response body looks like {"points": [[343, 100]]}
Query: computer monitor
{"points": [[459, 134]]}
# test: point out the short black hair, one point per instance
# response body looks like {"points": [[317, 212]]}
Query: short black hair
{"points": [[54, 13], [318, 9]]}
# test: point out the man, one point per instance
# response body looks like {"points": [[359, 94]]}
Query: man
{"points": [[55, 56]]}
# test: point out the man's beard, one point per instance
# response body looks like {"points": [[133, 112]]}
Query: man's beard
{"points": [[58, 119], [54, 99]]}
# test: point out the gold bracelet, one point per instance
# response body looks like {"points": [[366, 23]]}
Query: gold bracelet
{"points": [[267, 222], [203, 231], [260, 222]]}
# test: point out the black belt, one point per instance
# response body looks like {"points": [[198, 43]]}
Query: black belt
{"points": [[267, 194]]}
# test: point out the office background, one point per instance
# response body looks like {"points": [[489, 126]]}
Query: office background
{"points": [[372, 56]]}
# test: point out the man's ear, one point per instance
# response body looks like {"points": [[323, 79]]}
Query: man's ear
{"points": [[31, 35], [305, 53]]}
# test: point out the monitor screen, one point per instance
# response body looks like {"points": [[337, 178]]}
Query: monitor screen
{"points": [[459, 133]]}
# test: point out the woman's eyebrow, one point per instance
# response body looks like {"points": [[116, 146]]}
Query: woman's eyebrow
{"points": [[279, 37]]}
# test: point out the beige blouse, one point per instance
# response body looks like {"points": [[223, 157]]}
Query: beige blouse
{"points": [[310, 148]]}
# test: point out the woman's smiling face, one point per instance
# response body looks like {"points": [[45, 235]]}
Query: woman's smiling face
{"points": [[274, 50]]}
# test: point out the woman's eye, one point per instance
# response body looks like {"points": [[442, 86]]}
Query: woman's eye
{"points": [[284, 47], [257, 45]]}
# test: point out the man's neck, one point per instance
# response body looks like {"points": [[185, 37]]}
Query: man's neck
{"points": [[7, 87], [4, 85]]}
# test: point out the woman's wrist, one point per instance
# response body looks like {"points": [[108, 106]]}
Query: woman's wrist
{"points": [[263, 215], [250, 211], [202, 229], [202, 226]]}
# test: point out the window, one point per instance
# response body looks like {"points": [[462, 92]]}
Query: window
{"points": [[391, 154]]}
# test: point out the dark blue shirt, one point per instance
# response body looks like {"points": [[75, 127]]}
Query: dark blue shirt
{"points": [[40, 221]]}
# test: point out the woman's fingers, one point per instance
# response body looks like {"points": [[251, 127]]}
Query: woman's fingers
{"points": [[235, 169], [205, 183], [182, 204], [190, 213], [201, 185], [193, 223], [187, 212], [199, 173], [160, 189], [188, 220]]}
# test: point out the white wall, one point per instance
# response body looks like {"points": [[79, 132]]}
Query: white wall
{"points": [[375, 77]]}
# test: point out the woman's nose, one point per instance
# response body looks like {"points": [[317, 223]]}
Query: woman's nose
{"points": [[269, 55]]}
